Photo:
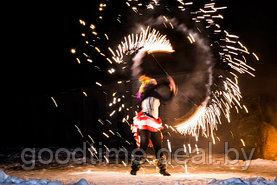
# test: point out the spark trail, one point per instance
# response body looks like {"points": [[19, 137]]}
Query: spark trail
{"points": [[198, 24]]}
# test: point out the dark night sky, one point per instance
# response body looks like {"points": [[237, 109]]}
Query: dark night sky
{"points": [[48, 37], [42, 65]]}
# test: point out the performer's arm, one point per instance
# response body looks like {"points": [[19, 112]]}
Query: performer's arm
{"points": [[172, 87]]}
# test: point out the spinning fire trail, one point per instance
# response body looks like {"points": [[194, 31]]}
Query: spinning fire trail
{"points": [[190, 33]]}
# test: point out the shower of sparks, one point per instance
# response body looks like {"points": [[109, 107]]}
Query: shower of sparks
{"points": [[73, 51], [189, 148], [99, 84], [197, 150], [149, 39], [242, 141], [84, 93], [225, 93], [233, 53], [106, 135], [54, 101], [124, 163], [185, 148], [186, 168], [80, 132], [169, 146]]}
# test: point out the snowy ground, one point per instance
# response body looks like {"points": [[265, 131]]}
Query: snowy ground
{"points": [[259, 172], [113, 177]]}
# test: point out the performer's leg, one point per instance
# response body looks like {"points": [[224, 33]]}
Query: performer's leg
{"points": [[140, 154], [144, 139], [156, 138]]}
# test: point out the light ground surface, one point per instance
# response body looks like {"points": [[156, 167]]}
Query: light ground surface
{"points": [[119, 174]]}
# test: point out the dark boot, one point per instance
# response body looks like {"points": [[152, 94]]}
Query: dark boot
{"points": [[135, 166], [161, 163]]}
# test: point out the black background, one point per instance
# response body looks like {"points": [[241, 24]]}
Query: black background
{"points": [[42, 66]]}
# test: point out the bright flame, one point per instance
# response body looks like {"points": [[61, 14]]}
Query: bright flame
{"points": [[218, 102], [150, 40], [192, 124]]}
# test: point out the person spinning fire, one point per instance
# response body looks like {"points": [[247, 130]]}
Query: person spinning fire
{"points": [[147, 125]]}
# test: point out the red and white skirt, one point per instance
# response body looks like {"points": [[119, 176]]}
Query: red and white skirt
{"points": [[143, 122]]}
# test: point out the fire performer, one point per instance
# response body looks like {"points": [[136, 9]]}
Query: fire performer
{"points": [[147, 125]]}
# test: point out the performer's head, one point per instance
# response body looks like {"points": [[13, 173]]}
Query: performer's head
{"points": [[145, 81]]}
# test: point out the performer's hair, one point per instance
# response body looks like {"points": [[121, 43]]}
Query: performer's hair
{"points": [[145, 81], [144, 78]]}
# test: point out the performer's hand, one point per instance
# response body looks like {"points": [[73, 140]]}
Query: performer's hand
{"points": [[154, 81], [172, 85]]}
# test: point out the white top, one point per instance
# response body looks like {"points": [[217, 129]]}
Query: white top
{"points": [[151, 105]]}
